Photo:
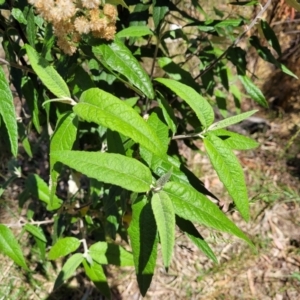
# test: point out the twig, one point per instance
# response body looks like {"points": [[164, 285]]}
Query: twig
{"points": [[249, 27], [21, 223], [14, 65]]}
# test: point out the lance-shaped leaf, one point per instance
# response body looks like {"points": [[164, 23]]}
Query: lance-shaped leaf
{"points": [[254, 92], [232, 120], [10, 247], [48, 75], [111, 168], [164, 214], [229, 171], [63, 139], [36, 232], [7, 113], [160, 9], [134, 31], [143, 236], [235, 141], [68, 269], [162, 166], [96, 274], [199, 104], [105, 109], [192, 233], [161, 130], [193, 206], [120, 59], [107, 253], [37, 187], [63, 247], [167, 112]]}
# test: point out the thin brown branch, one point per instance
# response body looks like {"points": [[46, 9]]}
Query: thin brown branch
{"points": [[249, 27]]}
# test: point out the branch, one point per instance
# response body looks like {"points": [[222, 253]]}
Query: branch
{"points": [[22, 223], [249, 27], [14, 65]]}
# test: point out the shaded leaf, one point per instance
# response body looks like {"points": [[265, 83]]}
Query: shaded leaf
{"points": [[143, 236], [68, 269], [190, 230], [63, 138], [96, 274], [107, 253], [253, 91]]}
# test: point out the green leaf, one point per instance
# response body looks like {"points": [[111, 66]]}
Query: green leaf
{"points": [[161, 130], [31, 96], [270, 36], [63, 139], [31, 28], [229, 22], [161, 166], [48, 75], [107, 253], [266, 54], [68, 269], [63, 247], [119, 58], [193, 206], [111, 168], [19, 16], [164, 214], [253, 91], [36, 232], [167, 112], [175, 72], [232, 120], [143, 236], [38, 188], [229, 171], [105, 109], [199, 105], [192, 233], [160, 9], [7, 113], [96, 274], [234, 140], [136, 31], [10, 247], [117, 2]]}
